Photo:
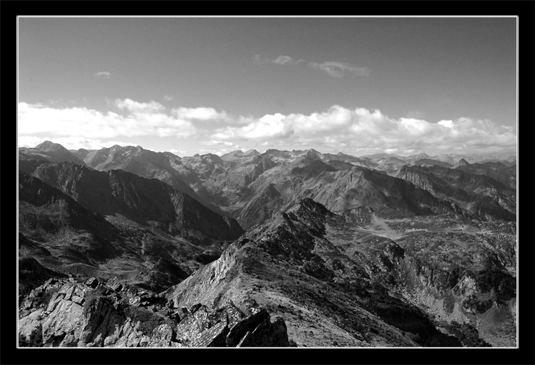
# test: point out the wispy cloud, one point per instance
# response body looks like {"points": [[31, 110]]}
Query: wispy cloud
{"points": [[103, 74], [415, 114], [281, 60], [168, 97], [339, 69], [332, 68]]}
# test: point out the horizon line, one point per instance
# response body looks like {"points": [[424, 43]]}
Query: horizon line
{"points": [[260, 151]]}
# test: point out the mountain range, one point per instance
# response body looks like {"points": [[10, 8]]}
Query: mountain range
{"points": [[376, 250]]}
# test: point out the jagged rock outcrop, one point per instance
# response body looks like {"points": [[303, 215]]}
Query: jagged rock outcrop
{"points": [[67, 313]]}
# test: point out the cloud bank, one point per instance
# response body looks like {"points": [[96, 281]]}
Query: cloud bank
{"points": [[338, 129], [332, 68], [360, 129], [78, 124]]}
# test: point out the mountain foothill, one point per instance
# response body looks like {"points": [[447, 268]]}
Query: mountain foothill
{"points": [[125, 246]]}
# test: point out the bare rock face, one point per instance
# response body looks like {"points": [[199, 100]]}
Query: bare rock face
{"points": [[66, 313], [239, 329], [266, 334]]}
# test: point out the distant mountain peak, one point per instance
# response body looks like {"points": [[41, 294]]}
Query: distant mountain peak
{"points": [[53, 152], [462, 162], [49, 146], [422, 155], [250, 152], [212, 157], [312, 153]]}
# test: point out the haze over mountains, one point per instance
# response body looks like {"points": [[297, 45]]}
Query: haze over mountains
{"points": [[339, 247]]}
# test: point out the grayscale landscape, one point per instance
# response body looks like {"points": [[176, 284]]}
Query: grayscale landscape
{"points": [[267, 182]]}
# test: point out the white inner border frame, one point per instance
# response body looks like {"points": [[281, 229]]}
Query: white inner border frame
{"points": [[291, 17]]}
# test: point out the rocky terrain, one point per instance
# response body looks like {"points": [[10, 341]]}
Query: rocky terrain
{"points": [[127, 247], [337, 283], [68, 313]]}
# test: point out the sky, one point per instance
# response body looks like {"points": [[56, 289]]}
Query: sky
{"points": [[357, 85]]}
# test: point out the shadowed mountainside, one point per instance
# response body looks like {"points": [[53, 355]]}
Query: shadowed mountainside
{"points": [[163, 166], [482, 196], [145, 201], [141, 230]]}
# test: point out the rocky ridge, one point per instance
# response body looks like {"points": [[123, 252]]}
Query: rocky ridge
{"points": [[67, 313], [306, 266]]}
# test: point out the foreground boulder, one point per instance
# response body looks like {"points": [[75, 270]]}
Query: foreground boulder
{"points": [[66, 313]]}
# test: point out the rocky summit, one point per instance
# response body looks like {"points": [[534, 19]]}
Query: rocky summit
{"points": [[126, 247], [69, 313]]}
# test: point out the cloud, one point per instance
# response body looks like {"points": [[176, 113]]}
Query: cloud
{"points": [[200, 113], [357, 129], [332, 68], [446, 123], [177, 152], [281, 60], [103, 74], [29, 141], [269, 126], [137, 119], [336, 129], [70, 143], [136, 107], [168, 97], [339, 69]]}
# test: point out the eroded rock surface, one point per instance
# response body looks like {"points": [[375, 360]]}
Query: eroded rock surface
{"points": [[67, 313]]}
